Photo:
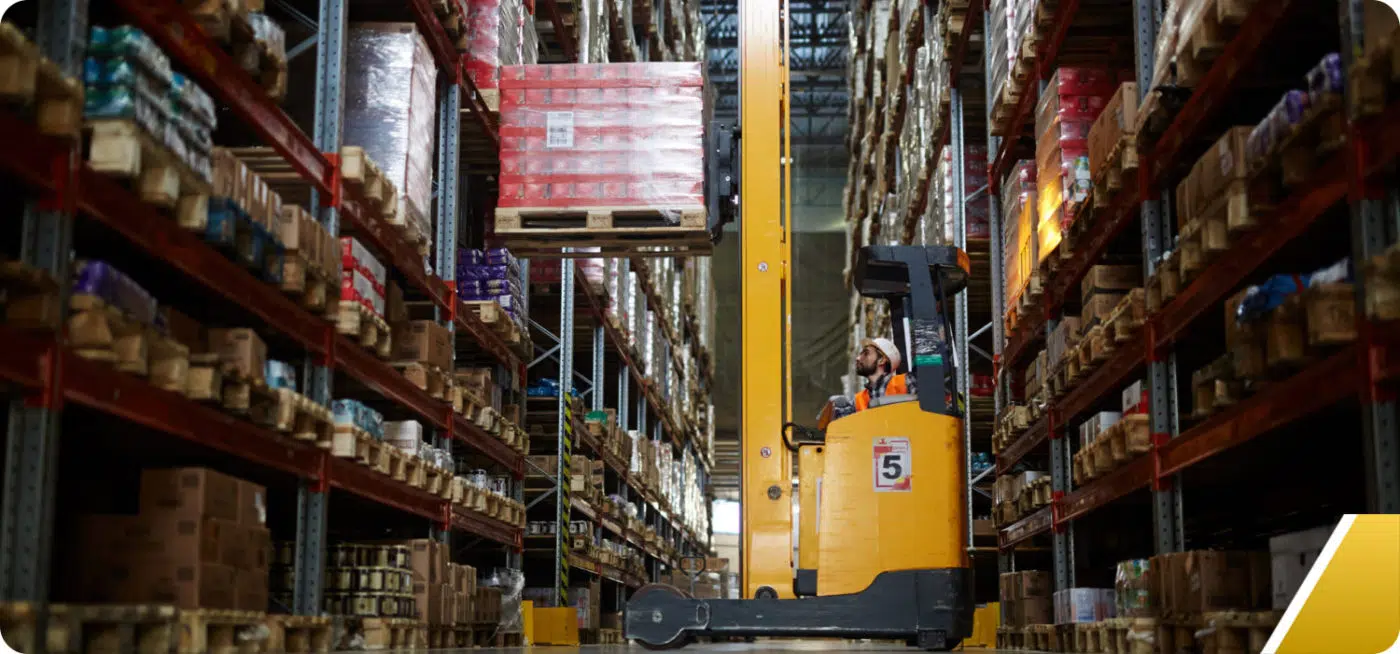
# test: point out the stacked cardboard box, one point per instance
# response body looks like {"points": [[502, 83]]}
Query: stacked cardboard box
{"points": [[423, 341], [1205, 581], [1116, 122], [199, 542], [1103, 287], [602, 135], [588, 601], [462, 592], [1027, 597], [234, 181], [1018, 220], [242, 353]]}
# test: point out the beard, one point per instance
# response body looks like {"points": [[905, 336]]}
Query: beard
{"points": [[865, 369]]}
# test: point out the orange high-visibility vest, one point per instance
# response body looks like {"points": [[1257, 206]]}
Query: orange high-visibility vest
{"points": [[895, 386]]}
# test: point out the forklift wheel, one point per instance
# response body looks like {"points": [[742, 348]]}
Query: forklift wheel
{"points": [[683, 638]]}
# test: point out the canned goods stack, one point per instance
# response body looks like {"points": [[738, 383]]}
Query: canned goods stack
{"points": [[362, 580]]}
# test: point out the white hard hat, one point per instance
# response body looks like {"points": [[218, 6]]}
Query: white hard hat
{"points": [[887, 348]]}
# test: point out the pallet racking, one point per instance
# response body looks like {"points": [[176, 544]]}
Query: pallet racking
{"points": [[47, 381], [1347, 389], [1184, 454]]}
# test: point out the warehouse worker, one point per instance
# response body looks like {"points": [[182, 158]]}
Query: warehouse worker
{"points": [[877, 362]]}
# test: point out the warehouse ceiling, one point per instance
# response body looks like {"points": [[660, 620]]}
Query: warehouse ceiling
{"points": [[818, 57]]}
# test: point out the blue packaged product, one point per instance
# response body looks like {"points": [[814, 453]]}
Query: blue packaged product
{"points": [[1326, 80], [100, 279], [280, 374], [129, 42], [196, 103]]}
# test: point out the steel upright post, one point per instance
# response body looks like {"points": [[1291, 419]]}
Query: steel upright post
{"points": [[566, 434], [32, 433], [599, 386], [312, 499]]}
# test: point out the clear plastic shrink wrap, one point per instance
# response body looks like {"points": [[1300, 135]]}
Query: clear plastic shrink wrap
{"points": [[1073, 98], [512, 585], [500, 35], [603, 135], [391, 110]]}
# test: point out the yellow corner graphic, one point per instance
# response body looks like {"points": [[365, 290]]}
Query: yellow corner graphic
{"points": [[1349, 602]]}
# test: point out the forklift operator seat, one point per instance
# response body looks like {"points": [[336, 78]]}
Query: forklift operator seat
{"points": [[918, 282]]}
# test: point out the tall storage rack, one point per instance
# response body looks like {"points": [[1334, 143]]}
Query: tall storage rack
{"points": [[565, 322], [611, 378], [44, 379], [1343, 391]]}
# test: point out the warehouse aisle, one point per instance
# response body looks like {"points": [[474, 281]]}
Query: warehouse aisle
{"points": [[717, 648]]}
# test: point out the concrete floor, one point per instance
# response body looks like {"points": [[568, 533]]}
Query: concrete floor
{"points": [[761, 647]]}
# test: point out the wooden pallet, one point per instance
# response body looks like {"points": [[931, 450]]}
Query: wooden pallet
{"points": [[1297, 156], [614, 230], [1118, 173], [1202, 42], [370, 331], [29, 296], [93, 628], [298, 634], [351, 442], [30, 80], [429, 378], [122, 149], [217, 631], [1128, 317], [303, 418], [390, 633], [362, 174]]}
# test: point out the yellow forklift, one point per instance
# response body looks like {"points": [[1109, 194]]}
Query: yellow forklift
{"points": [[882, 495]]}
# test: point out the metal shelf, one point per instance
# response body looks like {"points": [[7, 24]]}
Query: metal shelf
{"points": [[509, 535], [1318, 386], [436, 37], [1326, 187], [1028, 442], [1212, 94], [1039, 522], [1123, 211], [1125, 479], [1023, 342], [1110, 375]]}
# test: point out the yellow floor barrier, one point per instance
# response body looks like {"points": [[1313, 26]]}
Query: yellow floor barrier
{"points": [[985, 621]]}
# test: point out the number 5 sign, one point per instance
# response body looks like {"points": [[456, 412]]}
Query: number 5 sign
{"points": [[893, 465]]}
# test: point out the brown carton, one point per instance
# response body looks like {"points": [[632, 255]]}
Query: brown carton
{"points": [[1116, 121], [161, 537], [194, 586], [259, 541], [184, 329], [1098, 308], [423, 560], [1216, 581], [1222, 164], [1036, 583], [424, 341], [252, 504], [395, 310], [1112, 279], [190, 493], [1036, 610], [242, 352], [251, 591]]}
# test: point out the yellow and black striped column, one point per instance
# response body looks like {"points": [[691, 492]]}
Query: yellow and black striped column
{"points": [[562, 536]]}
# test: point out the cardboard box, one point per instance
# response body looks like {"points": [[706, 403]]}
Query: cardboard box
{"points": [[1115, 280], [1222, 164], [1099, 307], [252, 504], [1096, 424], [1215, 581], [1117, 120], [259, 541], [1291, 555], [161, 537], [395, 310], [250, 591], [1064, 337], [184, 329], [193, 586], [1036, 610], [1036, 583], [424, 341], [242, 352], [190, 493], [1083, 605]]}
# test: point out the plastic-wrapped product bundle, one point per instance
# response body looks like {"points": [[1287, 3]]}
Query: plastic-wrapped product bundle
{"points": [[492, 275], [391, 110], [280, 374], [604, 135], [100, 279], [1073, 98], [512, 584], [268, 31], [498, 38], [1275, 128], [1133, 586], [354, 412], [362, 276], [596, 31], [1018, 195], [130, 43]]}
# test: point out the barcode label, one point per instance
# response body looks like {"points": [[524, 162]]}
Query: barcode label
{"points": [[559, 129]]}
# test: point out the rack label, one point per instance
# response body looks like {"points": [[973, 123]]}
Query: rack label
{"points": [[893, 463], [559, 129]]}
